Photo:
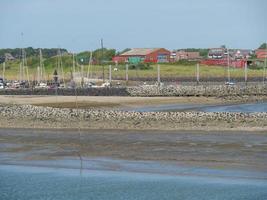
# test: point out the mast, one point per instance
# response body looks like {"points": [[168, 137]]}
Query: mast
{"points": [[102, 61], [73, 63], [60, 67], [4, 69], [42, 69], [264, 67]]}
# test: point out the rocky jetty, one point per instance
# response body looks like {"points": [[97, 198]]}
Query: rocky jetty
{"points": [[28, 116], [201, 90], [149, 90]]}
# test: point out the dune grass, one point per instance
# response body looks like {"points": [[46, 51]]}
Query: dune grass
{"points": [[167, 70]]}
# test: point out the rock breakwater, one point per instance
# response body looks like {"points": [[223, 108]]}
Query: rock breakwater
{"points": [[145, 91], [28, 116], [201, 90]]}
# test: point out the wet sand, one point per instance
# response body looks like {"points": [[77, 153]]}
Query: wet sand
{"points": [[216, 149], [105, 102]]}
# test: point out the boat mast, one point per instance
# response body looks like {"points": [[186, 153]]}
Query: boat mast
{"points": [[73, 63], [4, 69], [265, 63], [60, 67]]}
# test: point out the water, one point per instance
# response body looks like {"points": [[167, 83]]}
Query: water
{"points": [[39, 183], [247, 108]]}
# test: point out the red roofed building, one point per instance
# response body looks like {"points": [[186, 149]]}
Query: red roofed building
{"points": [[147, 55], [261, 53]]}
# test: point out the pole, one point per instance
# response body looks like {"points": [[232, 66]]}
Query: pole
{"points": [[158, 75], [82, 78], [38, 74], [126, 76], [228, 66], [102, 61], [197, 73], [23, 63], [20, 72], [110, 73], [264, 67], [246, 73], [73, 63], [4, 69]]}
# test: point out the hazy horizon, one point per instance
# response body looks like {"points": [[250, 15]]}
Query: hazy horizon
{"points": [[79, 25]]}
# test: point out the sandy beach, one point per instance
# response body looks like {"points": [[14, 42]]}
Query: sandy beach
{"points": [[104, 101]]}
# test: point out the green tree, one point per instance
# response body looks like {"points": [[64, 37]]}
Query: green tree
{"points": [[263, 46]]}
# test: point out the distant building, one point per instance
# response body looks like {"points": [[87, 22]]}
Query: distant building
{"points": [[261, 53], [147, 55], [217, 53], [8, 56], [184, 55], [241, 53]]}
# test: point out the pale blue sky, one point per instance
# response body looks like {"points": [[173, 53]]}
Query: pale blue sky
{"points": [[80, 24]]}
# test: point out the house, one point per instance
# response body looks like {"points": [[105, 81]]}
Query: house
{"points": [[184, 55], [8, 56], [147, 55], [261, 53], [242, 54], [217, 53]]}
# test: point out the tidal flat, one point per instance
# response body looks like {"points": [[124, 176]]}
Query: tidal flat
{"points": [[120, 164]]}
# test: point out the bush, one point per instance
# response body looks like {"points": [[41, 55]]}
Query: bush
{"points": [[184, 62], [140, 66]]}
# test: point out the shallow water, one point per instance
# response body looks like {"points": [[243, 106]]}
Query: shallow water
{"points": [[39, 183], [247, 108]]}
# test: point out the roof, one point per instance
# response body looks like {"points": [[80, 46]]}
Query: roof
{"points": [[139, 51]]}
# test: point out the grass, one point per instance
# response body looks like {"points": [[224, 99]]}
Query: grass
{"points": [[167, 70]]}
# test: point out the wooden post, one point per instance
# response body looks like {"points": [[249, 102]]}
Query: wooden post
{"points": [[197, 74], [158, 75], [110, 73], [246, 73], [126, 75], [228, 66], [38, 74]]}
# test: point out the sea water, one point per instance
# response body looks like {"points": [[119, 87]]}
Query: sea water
{"points": [[246, 108], [43, 183]]}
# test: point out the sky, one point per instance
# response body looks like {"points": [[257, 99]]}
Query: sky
{"points": [[79, 25]]}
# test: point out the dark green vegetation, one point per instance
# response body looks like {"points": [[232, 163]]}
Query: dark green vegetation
{"points": [[263, 46], [30, 52], [98, 56]]}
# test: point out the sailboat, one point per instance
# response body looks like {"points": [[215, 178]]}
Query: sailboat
{"points": [[23, 70], [60, 69], [41, 80]]}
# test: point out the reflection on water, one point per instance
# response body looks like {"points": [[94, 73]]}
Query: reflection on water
{"points": [[39, 183], [247, 108]]}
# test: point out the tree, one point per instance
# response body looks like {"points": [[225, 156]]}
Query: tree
{"points": [[263, 46], [123, 51], [104, 56]]}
